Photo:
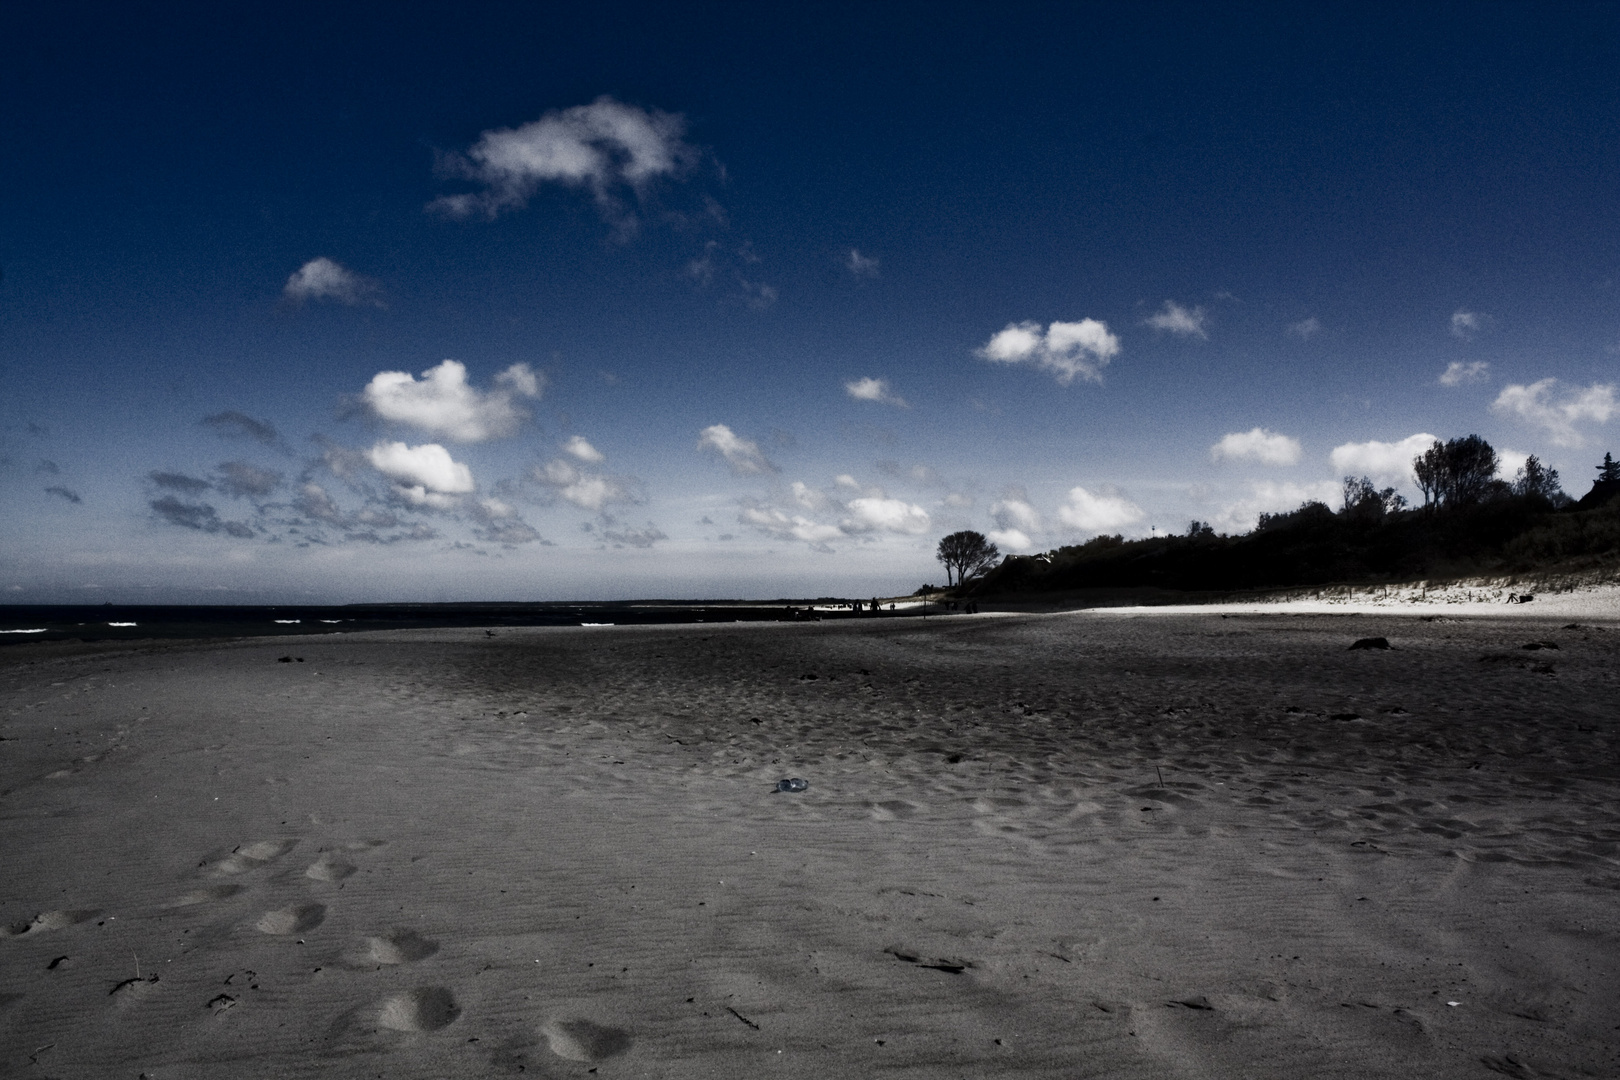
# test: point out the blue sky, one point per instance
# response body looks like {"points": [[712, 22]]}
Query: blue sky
{"points": [[749, 303]]}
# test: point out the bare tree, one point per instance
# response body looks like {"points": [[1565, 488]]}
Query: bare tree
{"points": [[967, 553]]}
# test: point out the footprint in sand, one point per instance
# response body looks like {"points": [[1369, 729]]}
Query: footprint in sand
{"points": [[49, 920], [581, 1040], [396, 947], [252, 856], [204, 896], [329, 868], [291, 920], [428, 1008]]}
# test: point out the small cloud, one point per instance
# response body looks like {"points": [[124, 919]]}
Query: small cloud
{"points": [[1098, 513], [239, 479], [1385, 463], [323, 279], [1457, 372], [743, 455], [234, 425], [423, 475], [870, 389], [1306, 329], [48, 468], [757, 294], [1066, 349], [1257, 444], [579, 448], [1465, 324], [1535, 405], [444, 404], [189, 485], [1010, 539], [66, 493], [606, 147], [1183, 322], [861, 266], [1016, 514]]}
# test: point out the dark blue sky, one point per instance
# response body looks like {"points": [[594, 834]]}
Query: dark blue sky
{"points": [[1243, 250]]}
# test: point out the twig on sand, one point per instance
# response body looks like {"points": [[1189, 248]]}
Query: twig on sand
{"points": [[1161, 777], [741, 1017]]}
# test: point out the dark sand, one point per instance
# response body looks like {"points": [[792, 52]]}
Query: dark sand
{"points": [[435, 853]]}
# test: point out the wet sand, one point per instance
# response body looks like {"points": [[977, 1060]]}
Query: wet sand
{"points": [[553, 851]]}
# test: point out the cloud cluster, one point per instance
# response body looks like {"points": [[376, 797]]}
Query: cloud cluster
{"points": [[1457, 373], [444, 404], [857, 512], [1180, 321], [605, 146], [1387, 464], [1066, 349], [236, 425], [323, 279], [1558, 414], [1259, 445], [743, 455], [585, 489], [870, 389]]}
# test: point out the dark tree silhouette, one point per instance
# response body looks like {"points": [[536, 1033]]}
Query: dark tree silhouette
{"points": [[966, 553], [1363, 499], [1537, 480], [1457, 472], [1609, 470]]}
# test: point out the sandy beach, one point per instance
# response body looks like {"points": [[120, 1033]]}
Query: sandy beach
{"points": [[1207, 843]]}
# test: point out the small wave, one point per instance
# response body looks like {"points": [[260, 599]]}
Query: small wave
{"points": [[41, 630], [122, 624], [596, 624], [284, 621]]}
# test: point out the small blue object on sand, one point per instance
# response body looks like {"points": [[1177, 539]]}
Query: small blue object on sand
{"points": [[792, 784]]}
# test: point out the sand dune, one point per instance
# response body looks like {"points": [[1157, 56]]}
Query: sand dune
{"points": [[1098, 844]]}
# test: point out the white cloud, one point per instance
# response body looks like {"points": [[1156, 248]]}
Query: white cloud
{"points": [[590, 491], [1306, 329], [444, 404], [1457, 372], [743, 455], [870, 389], [578, 447], [425, 475], [1534, 405], [1256, 444], [1094, 513], [604, 146], [861, 266], [808, 497], [1015, 514], [788, 527], [1509, 462], [1183, 322], [323, 279], [846, 480], [868, 514], [1388, 464], [1465, 324], [1066, 349], [1270, 497], [1010, 540]]}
